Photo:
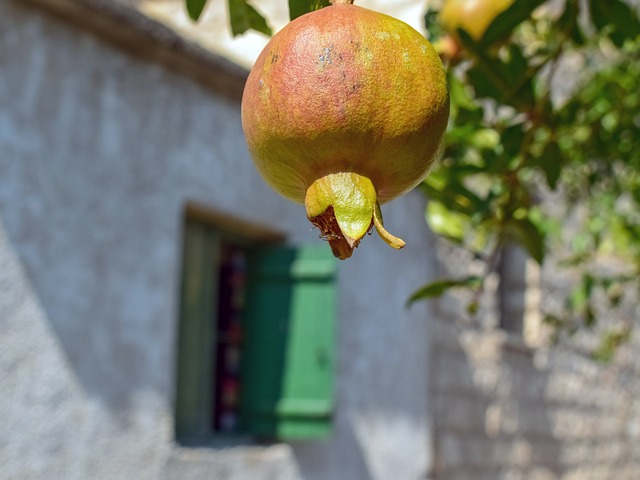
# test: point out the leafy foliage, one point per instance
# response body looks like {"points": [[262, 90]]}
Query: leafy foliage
{"points": [[521, 132], [243, 16]]}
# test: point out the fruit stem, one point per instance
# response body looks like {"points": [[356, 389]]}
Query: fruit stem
{"points": [[344, 207]]}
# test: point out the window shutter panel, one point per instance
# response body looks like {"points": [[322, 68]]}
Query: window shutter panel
{"points": [[288, 358], [196, 334]]}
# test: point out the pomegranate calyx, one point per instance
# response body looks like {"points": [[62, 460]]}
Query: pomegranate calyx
{"points": [[344, 206]]}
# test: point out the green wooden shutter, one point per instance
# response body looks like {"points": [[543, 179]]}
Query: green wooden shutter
{"points": [[288, 356], [196, 335]]}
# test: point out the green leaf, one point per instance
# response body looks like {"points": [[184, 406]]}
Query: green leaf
{"points": [[576, 260], [624, 20], [439, 287], [452, 194], [578, 36], [589, 317], [473, 307], [484, 138], [511, 139], [568, 22], [243, 17], [487, 69], [195, 8], [551, 163], [459, 94], [581, 297], [508, 81], [502, 26], [484, 86], [300, 7], [529, 236], [445, 222], [517, 64], [610, 343], [554, 321]]}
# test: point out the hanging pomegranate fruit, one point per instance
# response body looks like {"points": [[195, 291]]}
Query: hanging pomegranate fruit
{"points": [[344, 110]]}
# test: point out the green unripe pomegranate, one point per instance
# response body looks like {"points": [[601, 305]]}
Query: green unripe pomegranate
{"points": [[344, 110]]}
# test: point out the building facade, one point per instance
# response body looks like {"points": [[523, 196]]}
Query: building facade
{"points": [[123, 170]]}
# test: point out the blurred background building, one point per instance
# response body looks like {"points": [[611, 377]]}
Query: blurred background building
{"points": [[142, 260]]}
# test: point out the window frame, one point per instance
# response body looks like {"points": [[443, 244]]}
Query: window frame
{"points": [[222, 228]]}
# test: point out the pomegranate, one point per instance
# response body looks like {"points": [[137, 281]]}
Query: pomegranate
{"points": [[344, 110], [473, 16]]}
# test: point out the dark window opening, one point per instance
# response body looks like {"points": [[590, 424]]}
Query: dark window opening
{"points": [[228, 345]]}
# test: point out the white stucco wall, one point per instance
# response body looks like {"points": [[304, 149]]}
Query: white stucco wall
{"points": [[98, 153]]}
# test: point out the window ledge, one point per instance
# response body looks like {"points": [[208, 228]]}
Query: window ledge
{"points": [[241, 460]]}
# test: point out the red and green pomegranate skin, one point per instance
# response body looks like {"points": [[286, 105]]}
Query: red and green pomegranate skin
{"points": [[345, 90]]}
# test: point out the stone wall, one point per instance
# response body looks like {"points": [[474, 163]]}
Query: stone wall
{"points": [[504, 409]]}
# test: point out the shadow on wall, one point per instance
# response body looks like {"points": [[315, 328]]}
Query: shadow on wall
{"points": [[313, 458], [97, 235], [95, 230], [99, 288], [490, 415]]}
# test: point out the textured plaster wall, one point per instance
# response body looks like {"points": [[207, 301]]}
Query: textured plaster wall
{"points": [[99, 152]]}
